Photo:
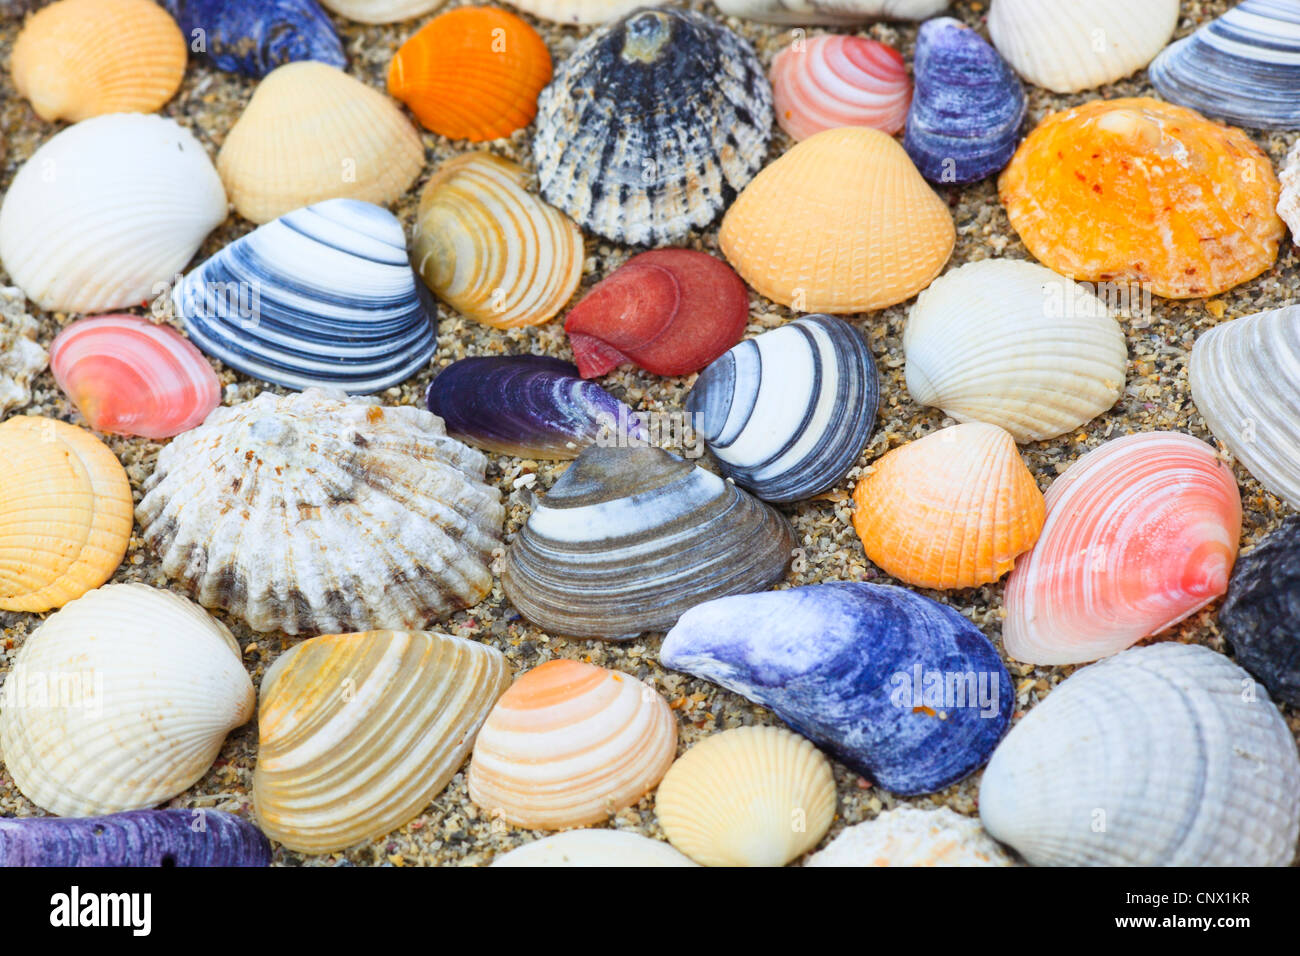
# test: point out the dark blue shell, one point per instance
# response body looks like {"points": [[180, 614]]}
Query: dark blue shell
{"points": [[134, 838], [1261, 615], [900, 688], [253, 37]]}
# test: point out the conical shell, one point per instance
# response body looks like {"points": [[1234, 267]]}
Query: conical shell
{"points": [[841, 223], [570, 744], [65, 514], [1261, 615], [1140, 533], [255, 38], [832, 80], [313, 513], [831, 12], [951, 510], [1015, 345], [310, 133], [358, 732], [21, 357], [752, 796], [382, 11], [1160, 756], [906, 836], [119, 701], [582, 11], [1288, 201], [603, 848]]}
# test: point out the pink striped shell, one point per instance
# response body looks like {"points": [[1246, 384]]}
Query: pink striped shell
{"points": [[831, 81]]}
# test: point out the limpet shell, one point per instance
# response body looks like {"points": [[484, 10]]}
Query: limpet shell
{"points": [[831, 80], [1261, 615], [255, 38], [21, 356], [603, 848], [906, 836]]}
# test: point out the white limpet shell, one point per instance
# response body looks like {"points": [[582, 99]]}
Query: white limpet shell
{"points": [[830, 12], [602, 848], [1288, 202], [382, 11], [906, 836], [21, 356]]}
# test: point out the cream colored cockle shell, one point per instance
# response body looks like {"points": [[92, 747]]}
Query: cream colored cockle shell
{"points": [[21, 356], [906, 836], [382, 11], [604, 848], [120, 701]]}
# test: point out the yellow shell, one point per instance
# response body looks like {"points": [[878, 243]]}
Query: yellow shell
{"points": [[65, 513], [311, 132], [841, 223]]}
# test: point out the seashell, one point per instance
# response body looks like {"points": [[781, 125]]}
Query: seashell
{"points": [[1139, 191], [900, 688], [324, 296], [472, 73], [1140, 533], [16, 8], [969, 106], [358, 732], [830, 12], [133, 198], [65, 514], [570, 744], [668, 311], [199, 837], [21, 356], [581, 11], [364, 516], [1015, 345], [492, 250], [1242, 67], [255, 39], [131, 377], [833, 80], [906, 836], [652, 125], [951, 510], [841, 223], [750, 796], [1245, 375], [629, 538], [63, 66], [1261, 616], [1219, 780], [1066, 46], [120, 701], [788, 413], [602, 848], [1288, 201], [310, 133], [528, 406], [382, 11]]}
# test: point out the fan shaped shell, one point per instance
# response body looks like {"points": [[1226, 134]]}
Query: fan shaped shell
{"points": [[1261, 615], [253, 39], [162, 838], [909, 837], [21, 356], [603, 848], [833, 80]]}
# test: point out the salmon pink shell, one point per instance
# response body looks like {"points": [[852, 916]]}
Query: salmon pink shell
{"points": [[831, 81]]}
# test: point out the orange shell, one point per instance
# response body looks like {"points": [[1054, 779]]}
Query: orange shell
{"points": [[1138, 190], [951, 510], [472, 73]]}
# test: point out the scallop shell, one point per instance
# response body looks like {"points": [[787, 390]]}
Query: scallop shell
{"points": [[1140, 533], [21, 356], [751, 796], [310, 133], [65, 514], [1261, 615], [1217, 781], [106, 211], [120, 701], [832, 80], [652, 125], [951, 510], [830, 12], [628, 538], [253, 39], [788, 413], [1138, 191], [581, 11], [906, 836], [1015, 345], [570, 744], [1245, 378], [310, 513], [382, 11], [602, 848], [492, 250], [63, 63], [358, 732], [841, 223], [1288, 201]]}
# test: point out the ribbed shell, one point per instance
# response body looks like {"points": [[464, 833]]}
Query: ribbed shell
{"points": [[1288, 201], [906, 836], [581, 11], [603, 848], [382, 11], [358, 732], [832, 12], [1261, 615], [255, 38], [832, 80], [21, 357]]}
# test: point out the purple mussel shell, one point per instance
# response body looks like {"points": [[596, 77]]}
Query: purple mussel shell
{"points": [[253, 37]]}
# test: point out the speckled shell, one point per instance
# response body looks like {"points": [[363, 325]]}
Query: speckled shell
{"points": [[906, 836], [602, 848], [582, 11], [311, 513], [358, 732], [830, 12], [832, 80], [1288, 201], [255, 38], [162, 838], [1261, 615], [120, 701], [841, 223], [1219, 780], [382, 11], [652, 125], [21, 357]]}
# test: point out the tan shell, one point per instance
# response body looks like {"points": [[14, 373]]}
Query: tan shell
{"points": [[907, 836], [21, 357]]}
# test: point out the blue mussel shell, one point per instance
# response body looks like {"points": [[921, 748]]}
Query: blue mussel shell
{"points": [[253, 37]]}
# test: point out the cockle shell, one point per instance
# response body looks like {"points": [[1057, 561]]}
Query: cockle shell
{"points": [[831, 12], [951, 510], [106, 211], [323, 296], [1140, 191], [582, 11], [1014, 344], [631, 537], [652, 125], [906, 836], [751, 796], [570, 744], [1288, 201], [788, 413], [841, 223], [492, 250], [1217, 781], [21, 356], [1141, 532], [1261, 615], [253, 39], [134, 838], [902, 689], [603, 848], [120, 701], [382, 11], [833, 80], [311, 513], [311, 133], [358, 732], [65, 513]]}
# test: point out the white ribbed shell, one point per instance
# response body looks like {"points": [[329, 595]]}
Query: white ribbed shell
{"points": [[603, 848], [906, 836]]}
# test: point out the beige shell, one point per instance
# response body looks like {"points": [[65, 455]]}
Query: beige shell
{"points": [[582, 11], [21, 356], [1288, 202], [603, 848], [382, 11], [907, 836]]}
